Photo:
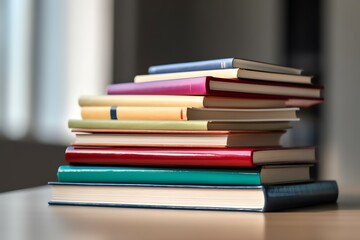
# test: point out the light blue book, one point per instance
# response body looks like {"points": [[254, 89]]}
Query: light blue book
{"points": [[223, 63]]}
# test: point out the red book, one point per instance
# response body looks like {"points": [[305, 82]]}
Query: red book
{"points": [[189, 157]]}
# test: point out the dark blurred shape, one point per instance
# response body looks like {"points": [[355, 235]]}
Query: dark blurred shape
{"points": [[125, 40], [28, 164], [303, 35], [302, 50]]}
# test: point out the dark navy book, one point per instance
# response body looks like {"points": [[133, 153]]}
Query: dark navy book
{"points": [[223, 63], [195, 197]]}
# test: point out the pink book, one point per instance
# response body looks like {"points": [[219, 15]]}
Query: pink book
{"points": [[218, 87]]}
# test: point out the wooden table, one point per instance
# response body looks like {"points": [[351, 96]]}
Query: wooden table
{"points": [[24, 214]]}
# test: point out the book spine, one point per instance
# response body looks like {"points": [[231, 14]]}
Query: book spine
{"points": [[134, 175], [139, 125], [134, 113], [192, 66], [185, 86], [172, 157], [299, 195]]}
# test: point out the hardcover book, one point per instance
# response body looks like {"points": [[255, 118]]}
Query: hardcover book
{"points": [[189, 157], [235, 73], [218, 87], [272, 174], [195, 197], [184, 113], [152, 138], [179, 101], [199, 125], [223, 63]]}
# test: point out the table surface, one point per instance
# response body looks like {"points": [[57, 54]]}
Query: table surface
{"points": [[25, 214]]}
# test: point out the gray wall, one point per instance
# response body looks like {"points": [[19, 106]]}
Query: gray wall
{"points": [[186, 30], [341, 64], [172, 31]]}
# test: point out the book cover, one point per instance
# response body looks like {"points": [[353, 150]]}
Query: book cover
{"points": [[223, 63], [179, 101], [164, 175], [138, 124], [218, 87], [186, 86], [147, 100], [240, 198], [188, 157], [153, 175]]}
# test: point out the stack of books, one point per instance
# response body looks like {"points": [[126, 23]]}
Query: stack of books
{"points": [[198, 135]]}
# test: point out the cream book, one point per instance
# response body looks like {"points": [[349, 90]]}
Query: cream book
{"points": [[153, 138], [261, 198], [228, 73]]}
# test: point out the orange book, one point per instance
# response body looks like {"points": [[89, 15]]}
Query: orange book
{"points": [[185, 113]]}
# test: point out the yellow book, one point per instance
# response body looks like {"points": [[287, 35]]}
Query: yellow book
{"points": [[179, 101]]}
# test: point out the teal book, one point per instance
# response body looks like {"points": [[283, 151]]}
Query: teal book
{"points": [[275, 174]]}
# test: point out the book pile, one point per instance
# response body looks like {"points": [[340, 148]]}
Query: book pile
{"points": [[199, 135]]}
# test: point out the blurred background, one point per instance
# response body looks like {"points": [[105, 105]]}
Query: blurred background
{"points": [[52, 51]]}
